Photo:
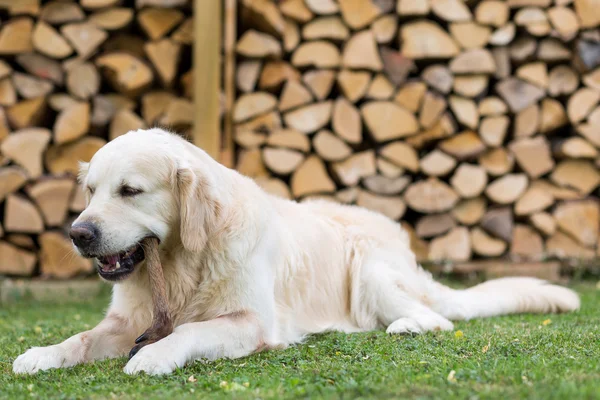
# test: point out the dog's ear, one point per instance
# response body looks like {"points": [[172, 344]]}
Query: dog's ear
{"points": [[83, 171], [194, 206]]}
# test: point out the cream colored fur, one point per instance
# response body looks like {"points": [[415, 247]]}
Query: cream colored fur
{"points": [[248, 271]]}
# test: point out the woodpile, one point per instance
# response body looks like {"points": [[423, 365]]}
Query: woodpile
{"points": [[73, 75], [474, 123]]}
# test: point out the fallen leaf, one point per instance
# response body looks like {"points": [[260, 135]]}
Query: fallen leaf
{"points": [[192, 379], [223, 384], [547, 322], [451, 377]]}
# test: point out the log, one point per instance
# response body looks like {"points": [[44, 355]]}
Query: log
{"points": [[309, 118], [41, 66], [385, 29], [419, 247], [507, 189], [360, 52], [533, 156], [291, 36], [16, 261], [562, 80], [105, 107], [544, 223], [251, 105], [437, 163], [387, 120], [580, 220], [470, 85], [58, 13], [119, 68], [527, 121], [454, 246], [289, 139], [84, 37], [72, 123], [316, 53], [396, 66], [581, 103], [247, 73], [401, 154], [503, 65], [52, 197], [25, 148], [434, 225], [275, 73], [353, 84], [535, 73], [282, 161], [8, 94], [469, 211], [574, 147], [563, 247], [492, 12], [26, 113], [497, 162], [486, 245], [350, 171], [358, 14], [587, 11], [154, 105], [430, 196], [591, 80], [553, 116], [391, 206], [498, 222], [526, 243], [330, 147], [98, 4], [20, 215], [465, 111], [470, 35], [164, 56], [504, 35], [274, 186], [432, 108], [551, 50], [157, 22], [112, 19], [558, 192], [66, 158], [473, 61], [492, 106], [30, 87], [411, 95], [57, 258], [250, 163], [179, 113], [463, 146], [83, 81], [439, 77], [249, 139], [346, 121], [469, 180], [326, 28], [533, 200], [4, 131], [590, 132], [320, 82], [380, 89], [16, 37], [578, 174], [388, 169], [254, 44], [519, 94], [380, 184], [294, 95], [323, 7], [262, 15], [124, 121], [311, 178], [347, 196], [493, 130], [413, 7], [78, 202], [12, 178], [426, 40], [266, 123], [425, 137], [296, 10]]}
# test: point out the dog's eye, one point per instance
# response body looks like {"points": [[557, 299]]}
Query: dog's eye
{"points": [[128, 191], [91, 189]]}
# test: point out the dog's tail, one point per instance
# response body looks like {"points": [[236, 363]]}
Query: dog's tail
{"points": [[506, 296]]}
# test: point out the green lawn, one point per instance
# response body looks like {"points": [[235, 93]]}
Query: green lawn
{"points": [[534, 356]]}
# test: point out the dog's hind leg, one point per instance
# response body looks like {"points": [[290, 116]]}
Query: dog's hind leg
{"points": [[383, 296]]}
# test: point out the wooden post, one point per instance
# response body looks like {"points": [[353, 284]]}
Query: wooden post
{"points": [[229, 41], [206, 65]]}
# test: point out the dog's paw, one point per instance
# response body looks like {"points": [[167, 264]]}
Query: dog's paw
{"points": [[39, 359], [151, 359], [404, 326]]}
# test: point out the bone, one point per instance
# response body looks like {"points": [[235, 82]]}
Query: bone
{"points": [[162, 325]]}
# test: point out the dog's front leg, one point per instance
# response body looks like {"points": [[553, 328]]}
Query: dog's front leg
{"points": [[231, 336], [110, 338]]}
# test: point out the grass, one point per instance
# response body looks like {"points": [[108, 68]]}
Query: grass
{"points": [[532, 356]]}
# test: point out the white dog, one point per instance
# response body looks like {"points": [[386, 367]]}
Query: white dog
{"points": [[247, 271]]}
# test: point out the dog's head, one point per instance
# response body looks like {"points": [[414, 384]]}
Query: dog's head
{"points": [[141, 185]]}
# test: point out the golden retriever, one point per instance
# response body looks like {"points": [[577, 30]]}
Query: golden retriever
{"points": [[247, 271]]}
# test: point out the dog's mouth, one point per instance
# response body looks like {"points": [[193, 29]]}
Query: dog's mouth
{"points": [[116, 267]]}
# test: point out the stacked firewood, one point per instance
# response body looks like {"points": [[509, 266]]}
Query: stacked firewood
{"points": [[73, 75], [474, 123]]}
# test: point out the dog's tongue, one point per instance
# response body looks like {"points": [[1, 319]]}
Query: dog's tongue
{"points": [[112, 260]]}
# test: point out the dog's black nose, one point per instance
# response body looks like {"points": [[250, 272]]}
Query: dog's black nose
{"points": [[84, 234]]}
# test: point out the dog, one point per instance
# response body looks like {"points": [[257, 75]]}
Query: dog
{"points": [[246, 271]]}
